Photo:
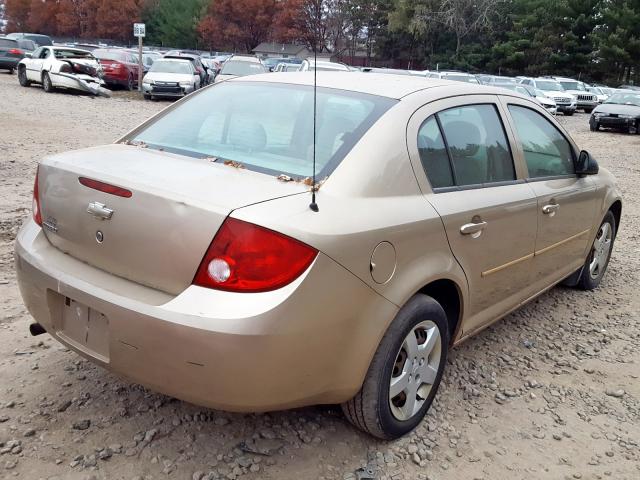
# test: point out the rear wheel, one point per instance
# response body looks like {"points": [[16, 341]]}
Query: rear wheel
{"points": [[598, 259], [405, 372], [588, 110], [22, 77], [147, 96], [130, 82], [46, 83], [11, 71], [568, 113]]}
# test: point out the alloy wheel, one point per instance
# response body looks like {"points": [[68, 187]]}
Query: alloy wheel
{"points": [[415, 370], [600, 250]]}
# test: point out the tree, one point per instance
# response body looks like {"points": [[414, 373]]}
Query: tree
{"points": [[174, 22], [17, 15], [240, 24], [116, 18], [40, 14], [77, 18], [465, 17]]}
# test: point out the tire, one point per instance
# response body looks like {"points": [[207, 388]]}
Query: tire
{"points": [[594, 127], [46, 83], [634, 129], [147, 96], [130, 83], [588, 110], [22, 77], [599, 254], [11, 70], [372, 410], [569, 113]]}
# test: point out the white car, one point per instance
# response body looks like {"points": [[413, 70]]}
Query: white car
{"points": [[170, 78], [309, 65], [240, 66], [600, 93], [538, 95], [62, 67]]}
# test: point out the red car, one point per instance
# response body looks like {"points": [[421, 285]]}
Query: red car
{"points": [[119, 66]]}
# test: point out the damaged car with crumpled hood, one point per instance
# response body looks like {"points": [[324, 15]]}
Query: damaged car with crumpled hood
{"points": [[62, 67]]}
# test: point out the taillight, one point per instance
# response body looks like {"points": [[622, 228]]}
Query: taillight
{"points": [[105, 187], [244, 257], [16, 51], [35, 204], [65, 68]]}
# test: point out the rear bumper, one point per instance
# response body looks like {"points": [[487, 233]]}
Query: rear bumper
{"points": [[310, 342], [9, 63]]}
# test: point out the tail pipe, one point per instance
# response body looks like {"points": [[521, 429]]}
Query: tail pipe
{"points": [[36, 329]]}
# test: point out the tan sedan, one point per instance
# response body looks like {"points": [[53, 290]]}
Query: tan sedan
{"points": [[186, 256]]}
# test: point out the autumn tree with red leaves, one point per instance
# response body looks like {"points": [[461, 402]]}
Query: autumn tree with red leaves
{"points": [[17, 15], [240, 24], [42, 16]]}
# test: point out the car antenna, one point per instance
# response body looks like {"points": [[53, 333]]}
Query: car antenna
{"points": [[313, 205]]}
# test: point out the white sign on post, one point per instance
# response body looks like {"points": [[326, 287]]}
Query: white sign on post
{"points": [[139, 30]]}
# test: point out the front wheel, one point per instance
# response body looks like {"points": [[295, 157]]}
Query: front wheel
{"points": [[130, 83], [569, 113], [598, 259], [594, 127], [405, 372], [588, 110]]}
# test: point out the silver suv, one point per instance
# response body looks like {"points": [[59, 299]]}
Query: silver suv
{"points": [[566, 102], [587, 100]]}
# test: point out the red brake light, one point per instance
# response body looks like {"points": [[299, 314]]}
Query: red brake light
{"points": [[105, 187], [35, 204], [244, 257], [16, 51]]}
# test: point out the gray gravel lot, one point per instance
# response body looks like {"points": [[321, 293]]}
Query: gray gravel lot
{"points": [[552, 391]]}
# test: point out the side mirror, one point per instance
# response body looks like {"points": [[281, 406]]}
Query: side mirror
{"points": [[586, 164]]}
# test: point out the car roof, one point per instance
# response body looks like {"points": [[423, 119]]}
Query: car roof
{"points": [[380, 84]]}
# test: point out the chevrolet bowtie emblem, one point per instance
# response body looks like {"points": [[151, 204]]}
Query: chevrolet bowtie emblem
{"points": [[99, 210]]}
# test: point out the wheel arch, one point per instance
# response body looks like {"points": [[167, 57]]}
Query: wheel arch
{"points": [[616, 209], [449, 295]]}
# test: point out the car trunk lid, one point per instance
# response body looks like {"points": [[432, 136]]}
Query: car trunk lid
{"points": [[157, 235]]}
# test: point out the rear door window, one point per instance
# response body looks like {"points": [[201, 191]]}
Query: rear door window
{"points": [[546, 151], [433, 154], [472, 141]]}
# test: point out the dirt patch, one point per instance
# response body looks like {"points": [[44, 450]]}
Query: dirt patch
{"points": [[551, 391]]}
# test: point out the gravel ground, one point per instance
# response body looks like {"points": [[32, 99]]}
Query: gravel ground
{"points": [[549, 392]]}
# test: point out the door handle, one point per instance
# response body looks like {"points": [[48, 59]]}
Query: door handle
{"points": [[551, 208], [472, 228]]}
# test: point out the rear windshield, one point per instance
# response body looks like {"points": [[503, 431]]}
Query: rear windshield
{"points": [[267, 127], [60, 53], [5, 42], [109, 55], [241, 68]]}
